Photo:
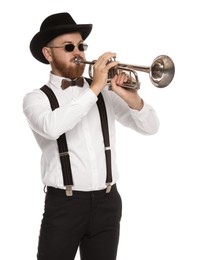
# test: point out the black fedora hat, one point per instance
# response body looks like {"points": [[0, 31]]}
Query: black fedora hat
{"points": [[53, 26]]}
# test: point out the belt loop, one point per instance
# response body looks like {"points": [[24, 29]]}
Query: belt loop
{"points": [[108, 187], [45, 188], [69, 191]]}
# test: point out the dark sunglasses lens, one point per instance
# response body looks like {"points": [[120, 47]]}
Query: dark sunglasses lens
{"points": [[69, 47], [82, 47]]}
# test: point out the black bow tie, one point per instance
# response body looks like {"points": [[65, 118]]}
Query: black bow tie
{"points": [[67, 83]]}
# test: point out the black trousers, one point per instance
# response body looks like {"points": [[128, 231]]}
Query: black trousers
{"points": [[89, 221]]}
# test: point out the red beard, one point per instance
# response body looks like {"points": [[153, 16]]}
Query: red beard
{"points": [[71, 71]]}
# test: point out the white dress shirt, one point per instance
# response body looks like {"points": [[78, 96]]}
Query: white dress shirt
{"points": [[78, 117]]}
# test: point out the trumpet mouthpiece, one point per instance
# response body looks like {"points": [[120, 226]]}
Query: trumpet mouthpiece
{"points": [[78, 60]]}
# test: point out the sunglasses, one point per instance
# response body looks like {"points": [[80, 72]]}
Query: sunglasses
{"points": [[70, 47]]}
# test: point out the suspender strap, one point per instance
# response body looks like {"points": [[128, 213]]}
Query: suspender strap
{"points": [[105, 132], [62, 145]]}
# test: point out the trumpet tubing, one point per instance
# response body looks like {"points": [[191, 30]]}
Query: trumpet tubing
{"points": [[161, 71]]}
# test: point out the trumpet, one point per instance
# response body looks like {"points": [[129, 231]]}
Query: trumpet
{"points": [[161, 72]]}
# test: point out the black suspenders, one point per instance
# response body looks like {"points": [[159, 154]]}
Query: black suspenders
{"points": [[105, 132], [62, 145], [63, 148]]}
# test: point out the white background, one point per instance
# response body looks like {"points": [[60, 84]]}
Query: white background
{"points": [[158, 174]]}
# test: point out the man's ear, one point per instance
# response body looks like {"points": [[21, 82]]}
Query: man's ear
{"points": [[47, 54]]}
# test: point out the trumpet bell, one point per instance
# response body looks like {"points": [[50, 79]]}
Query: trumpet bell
{"points": [[162, 71]]}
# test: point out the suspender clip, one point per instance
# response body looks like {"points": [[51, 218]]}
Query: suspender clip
{"points": [[69, 191], [108, 187]]}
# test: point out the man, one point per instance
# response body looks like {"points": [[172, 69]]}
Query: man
{"points": [[82, 207]]}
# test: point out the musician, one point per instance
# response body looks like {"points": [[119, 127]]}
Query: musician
{"points": [[84, 212]]}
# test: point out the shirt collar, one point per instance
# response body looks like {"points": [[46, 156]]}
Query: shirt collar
{"points": [[55, 81]]}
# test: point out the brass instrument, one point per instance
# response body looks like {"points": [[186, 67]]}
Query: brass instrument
{"points": [[161, 71]]}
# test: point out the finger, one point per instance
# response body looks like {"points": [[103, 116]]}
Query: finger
{"points": [[107, 58], [122, 78]]}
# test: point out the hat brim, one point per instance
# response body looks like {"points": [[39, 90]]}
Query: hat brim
{"points": [[42, 38]]}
